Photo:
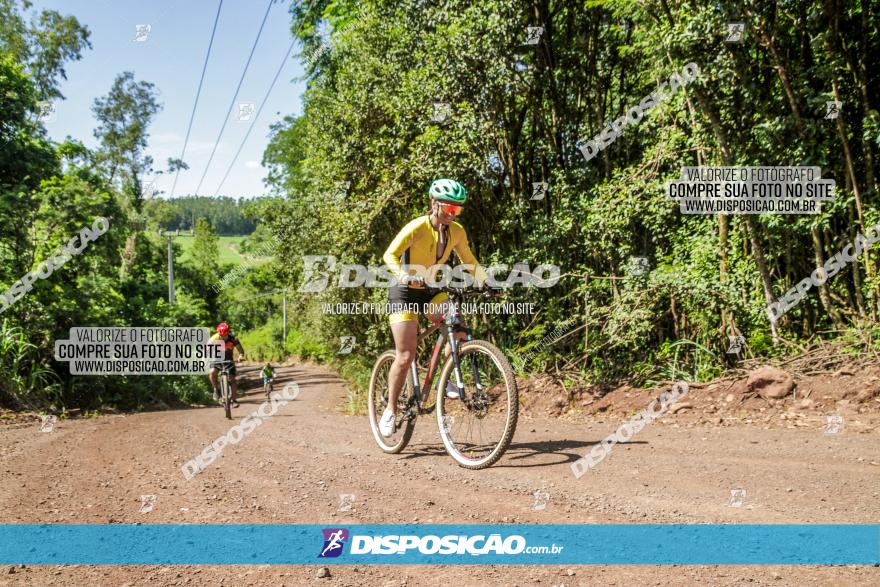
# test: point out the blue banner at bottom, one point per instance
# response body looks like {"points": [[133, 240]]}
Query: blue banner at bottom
{"points": [[543, 544]]}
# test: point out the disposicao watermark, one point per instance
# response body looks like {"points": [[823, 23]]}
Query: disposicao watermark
{"points": [[542, 496], [628, 429], [346, 501], [142, 32], [533, 35], [147, 503], [245, 111], [46, 111], [235, 434], [831, 268], [442, 112], [47, 423], [737, 498], [832, 109], [737, 342], [638, 266], [833, 424], [56, 260], [634, 115], [346, 345], [539, 190], [734, 32], [317, 271]]}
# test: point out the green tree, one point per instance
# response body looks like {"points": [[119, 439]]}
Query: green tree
{"points": [[26, 157], [520, 113], [124, 116], [205, 250], [44, 45]]}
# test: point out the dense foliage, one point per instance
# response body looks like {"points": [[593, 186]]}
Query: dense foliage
{"points": [[354, 168], [48, 194], [226, 215], [518, 114]]}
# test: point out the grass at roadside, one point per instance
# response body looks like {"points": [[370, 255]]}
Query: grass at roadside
{"points": [[229, 247]]}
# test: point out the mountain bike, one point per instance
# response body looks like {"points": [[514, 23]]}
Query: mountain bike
{"points": [[267, 386], [224, 367], [477, 427]]}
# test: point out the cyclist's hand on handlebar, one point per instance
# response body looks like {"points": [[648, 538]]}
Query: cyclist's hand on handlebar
{"points": [[413, 281]]}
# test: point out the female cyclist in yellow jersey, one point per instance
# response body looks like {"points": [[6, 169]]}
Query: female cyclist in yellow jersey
{"points": [[425, 242]]}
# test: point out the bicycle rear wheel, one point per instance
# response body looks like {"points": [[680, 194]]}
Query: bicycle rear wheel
{"points": [[477, 430], [227, 395], [377, 400]]}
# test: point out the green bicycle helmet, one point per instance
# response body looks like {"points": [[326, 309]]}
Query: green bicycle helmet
{"points": [[448, 190]]}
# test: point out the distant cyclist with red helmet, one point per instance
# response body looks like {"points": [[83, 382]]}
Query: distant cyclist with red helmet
{"points": [[423, 243], [231, 343]]}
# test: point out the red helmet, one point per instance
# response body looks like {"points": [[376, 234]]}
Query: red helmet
{"points": [[223, 329]]}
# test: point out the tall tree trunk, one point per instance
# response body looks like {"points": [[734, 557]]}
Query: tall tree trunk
{"points": [[833, 13], [857, 273], [781, 69], [824, 292], [757, 249], [728, 320]]}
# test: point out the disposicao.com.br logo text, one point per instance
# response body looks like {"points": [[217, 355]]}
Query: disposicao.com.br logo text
{"points": [[431, 544]]}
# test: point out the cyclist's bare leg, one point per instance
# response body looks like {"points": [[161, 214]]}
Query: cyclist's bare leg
{"points": [[405, 342], [233, 384], [212, 377]]}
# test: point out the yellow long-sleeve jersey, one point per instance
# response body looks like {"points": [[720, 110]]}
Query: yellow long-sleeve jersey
{"points": [[416, 244]]}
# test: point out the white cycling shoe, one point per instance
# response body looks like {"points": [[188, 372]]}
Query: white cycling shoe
{"points": [[386, 423], [451, 390]]}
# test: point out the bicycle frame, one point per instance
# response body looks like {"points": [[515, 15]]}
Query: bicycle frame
{"points": [[223, 369], [444, 326]]}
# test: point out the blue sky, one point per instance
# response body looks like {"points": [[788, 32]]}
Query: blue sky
{"points": [[171, 57]]}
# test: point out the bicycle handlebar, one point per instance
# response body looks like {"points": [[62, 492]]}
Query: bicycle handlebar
{"points": [[222, 364]]}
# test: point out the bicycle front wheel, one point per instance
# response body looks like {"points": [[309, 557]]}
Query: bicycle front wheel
{"points": [[477, 429], [227, 396], [377, 400]]}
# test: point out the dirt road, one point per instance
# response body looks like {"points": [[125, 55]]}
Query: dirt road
{"points": [[294, 466]]}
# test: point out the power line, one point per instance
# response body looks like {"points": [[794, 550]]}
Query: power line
{"points": [[266, 97], [232, 103], [198, 93], [256, 116]]}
